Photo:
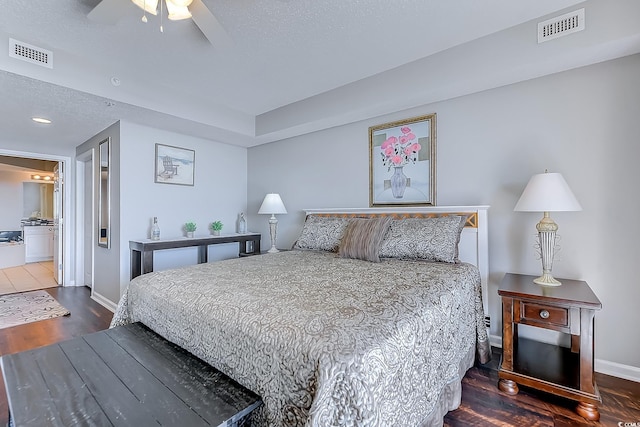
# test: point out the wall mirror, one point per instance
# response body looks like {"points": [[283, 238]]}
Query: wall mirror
{"points": [[37, 200], [104, 194]]}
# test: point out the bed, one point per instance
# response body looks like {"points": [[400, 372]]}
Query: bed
{"points": [[336, 332]]}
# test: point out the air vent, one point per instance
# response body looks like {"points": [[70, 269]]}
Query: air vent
{"points": [[33, 54], [560, 26]]}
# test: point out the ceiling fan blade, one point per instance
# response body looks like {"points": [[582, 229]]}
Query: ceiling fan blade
{"points": [[109, 11], [209, 25]]}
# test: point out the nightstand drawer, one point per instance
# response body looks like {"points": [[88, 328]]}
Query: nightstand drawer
{"points": [[544, 314]]}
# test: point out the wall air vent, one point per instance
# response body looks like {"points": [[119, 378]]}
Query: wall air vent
{"points": [[560, 26], [33, 54]]}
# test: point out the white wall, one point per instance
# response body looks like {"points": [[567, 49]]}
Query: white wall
{"points": [[219, 193], [582, 123]]}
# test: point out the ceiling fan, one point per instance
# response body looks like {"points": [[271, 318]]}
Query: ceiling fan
{"points": [[111, 11]]}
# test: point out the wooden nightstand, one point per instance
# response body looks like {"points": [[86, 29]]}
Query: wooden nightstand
{"points": [[567, 372]]}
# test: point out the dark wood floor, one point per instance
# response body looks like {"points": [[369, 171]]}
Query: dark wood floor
{"points": [[482, 403], [86, 316]]}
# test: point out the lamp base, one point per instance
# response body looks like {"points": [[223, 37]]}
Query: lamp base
{"points": [[547, 280], [547, 238], [273, 228]]}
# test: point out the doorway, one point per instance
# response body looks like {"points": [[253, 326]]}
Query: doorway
{"points": [[58, 251]]}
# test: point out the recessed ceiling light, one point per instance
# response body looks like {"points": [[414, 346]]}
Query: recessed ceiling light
{"points": [[41, 120]]}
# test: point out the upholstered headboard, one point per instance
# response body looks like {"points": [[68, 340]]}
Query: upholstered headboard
{"points": [[474, 243]]}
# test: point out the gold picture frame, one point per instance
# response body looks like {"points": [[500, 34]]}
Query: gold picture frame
{"points": [[402, 162]]}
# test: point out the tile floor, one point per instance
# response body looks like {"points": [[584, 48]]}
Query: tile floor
{"points": [[28, 277]]}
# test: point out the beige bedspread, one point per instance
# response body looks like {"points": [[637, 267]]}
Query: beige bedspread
{"points": [[325, 341]]}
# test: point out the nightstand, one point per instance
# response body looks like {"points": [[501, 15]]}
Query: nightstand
{"points": [[567, 372]]}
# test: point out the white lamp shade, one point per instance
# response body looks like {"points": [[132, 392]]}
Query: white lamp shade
{"points": [[547, 192], [150, 6], [177, 12], [272, 204]]}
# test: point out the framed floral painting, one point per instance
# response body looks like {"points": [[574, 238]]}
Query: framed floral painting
{"points": [[402, 162]]}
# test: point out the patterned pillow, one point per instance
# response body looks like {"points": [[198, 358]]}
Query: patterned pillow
{"points": [[321, 233], [431, 239], [362, 238]]}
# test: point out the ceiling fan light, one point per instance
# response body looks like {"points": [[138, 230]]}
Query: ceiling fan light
{"points": [[177, 13], [181, 3], [149, 6]]}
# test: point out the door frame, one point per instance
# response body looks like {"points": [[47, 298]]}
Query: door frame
{"points": [[59, 217], [68, 276], [84, 253]]}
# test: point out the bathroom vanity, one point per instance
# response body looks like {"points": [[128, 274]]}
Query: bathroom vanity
{"points": [[38, 243]]}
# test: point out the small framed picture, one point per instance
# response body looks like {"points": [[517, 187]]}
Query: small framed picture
{"points": [[402, 162], [174, 165]]}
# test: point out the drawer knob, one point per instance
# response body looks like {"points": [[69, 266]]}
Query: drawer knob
{"points": [[544, 314]]}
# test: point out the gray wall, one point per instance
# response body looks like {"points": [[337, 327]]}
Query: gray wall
{"points": [[582, 123], [219, 193], [106, 261]]}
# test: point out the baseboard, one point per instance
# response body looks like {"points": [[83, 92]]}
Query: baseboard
{"points": [[606, 367], [619, 370], [495, 341], [71, 284], [104, 302]]}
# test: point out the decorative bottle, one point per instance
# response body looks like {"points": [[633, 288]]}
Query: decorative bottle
{"points": [[242, 224], [155, 229]]}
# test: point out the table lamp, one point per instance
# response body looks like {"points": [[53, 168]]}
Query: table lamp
{"points": [[547, 192], [272, 204]]}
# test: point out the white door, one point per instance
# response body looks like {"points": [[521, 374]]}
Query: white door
{"points": [[58, 221], [88, 222]]}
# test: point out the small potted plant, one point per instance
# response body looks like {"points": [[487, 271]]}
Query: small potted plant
{"points": [[190, 227], [216, 226]]}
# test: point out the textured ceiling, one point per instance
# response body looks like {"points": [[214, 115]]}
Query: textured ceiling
{"points": [[282, 51]]}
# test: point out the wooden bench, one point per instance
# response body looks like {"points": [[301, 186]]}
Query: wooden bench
{"points": [[125, 376]]}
